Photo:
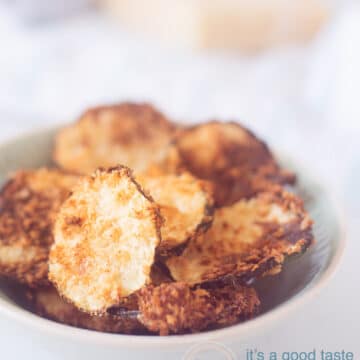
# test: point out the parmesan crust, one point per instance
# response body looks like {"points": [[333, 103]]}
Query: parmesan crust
{"points": [[175, 308], [135, 135], [186, 205], [106, 234], [29, 203]]}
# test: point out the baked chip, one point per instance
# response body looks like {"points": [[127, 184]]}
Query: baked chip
{"points": [[105, 234], [229, 155], [135, 135], [47, 303], [186, 205], [175, 308], [248, 239], [29, 203]]}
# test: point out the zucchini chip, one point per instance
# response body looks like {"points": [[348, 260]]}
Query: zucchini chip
{"points": [[47, 303], [131, 134], [248, 239], [29, 203], [175, 308], [233, 158], [105, 234], [186, 205]]}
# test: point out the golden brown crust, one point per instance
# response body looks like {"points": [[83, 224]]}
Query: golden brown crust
{"points": [[29, 203], [131, 134], [232, 157], [175, 308], [186, 204], [46, 302], [248, 239], [106, 234]]}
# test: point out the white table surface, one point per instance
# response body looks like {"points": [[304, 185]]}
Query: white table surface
{"points": [[303, 100]]}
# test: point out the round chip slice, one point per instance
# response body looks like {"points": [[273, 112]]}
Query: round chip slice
{"points": [[105, 234], [248, 239], [176, 308], [47, 303], [186, 205], [131, 134], [29, 203], [239, 164]]}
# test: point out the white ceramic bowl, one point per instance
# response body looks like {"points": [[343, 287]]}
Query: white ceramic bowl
{"points": [[300, 281]]}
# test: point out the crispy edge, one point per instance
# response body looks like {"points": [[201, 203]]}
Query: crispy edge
{"points": [[132, 107], [158, 219]]}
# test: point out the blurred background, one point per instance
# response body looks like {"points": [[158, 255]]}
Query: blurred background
{"points": [[289, 69], [286, 68]]}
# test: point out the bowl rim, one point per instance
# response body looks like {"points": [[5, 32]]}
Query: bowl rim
{"points": [[42, 325]]}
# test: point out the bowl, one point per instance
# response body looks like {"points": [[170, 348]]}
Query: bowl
{"points": [[300, 281]]}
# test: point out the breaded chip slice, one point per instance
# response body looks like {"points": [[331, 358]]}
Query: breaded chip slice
{"points": [[134, 135], [47, 302], [175, 308], [29, 203], [105, 234], [186, 205], [248, 239], [239, 164]]}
